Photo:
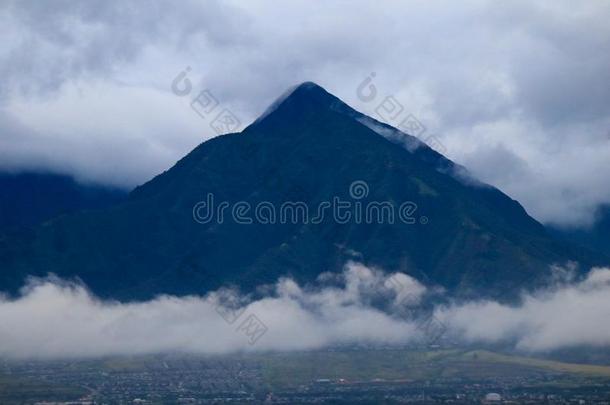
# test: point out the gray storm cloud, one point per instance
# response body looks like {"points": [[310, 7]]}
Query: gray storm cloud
{"points": [[56, 319], [513, 91]]}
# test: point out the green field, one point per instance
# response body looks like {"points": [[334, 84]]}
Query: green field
{"points": [[291, 369], [18, 390]]}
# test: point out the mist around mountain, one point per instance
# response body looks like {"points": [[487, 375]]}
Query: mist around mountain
{"points": [[309, 148]]}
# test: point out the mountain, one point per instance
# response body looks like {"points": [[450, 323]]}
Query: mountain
{"points": [[30, 198], [596, 238], [309, 147]]}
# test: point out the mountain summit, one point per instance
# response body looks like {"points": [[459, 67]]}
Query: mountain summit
{"points": [[307, 151], [298, 103]]}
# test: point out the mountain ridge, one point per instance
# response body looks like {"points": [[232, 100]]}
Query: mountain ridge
{"points": [[308, 148], [28, 198]]}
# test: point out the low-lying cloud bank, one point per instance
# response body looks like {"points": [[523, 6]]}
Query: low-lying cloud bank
{"points": [[53, 318], [566, 315]]}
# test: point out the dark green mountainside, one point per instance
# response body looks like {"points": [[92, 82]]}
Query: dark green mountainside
{"points": [[30, 198], [596, 238], [468, 237]]}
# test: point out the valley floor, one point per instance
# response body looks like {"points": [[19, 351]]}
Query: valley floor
{"points": [[340, 375]]}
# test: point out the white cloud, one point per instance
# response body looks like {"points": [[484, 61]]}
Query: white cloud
{"points": [[57, 319], [53, 318], [567, 315]]}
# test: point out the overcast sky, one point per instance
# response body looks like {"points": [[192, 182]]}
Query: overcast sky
{"points": [[519, 93]]}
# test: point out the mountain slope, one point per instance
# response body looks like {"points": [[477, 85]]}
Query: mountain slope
{"points": [[29, 198], [310, 147], [596, 238]]}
